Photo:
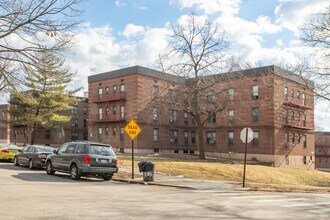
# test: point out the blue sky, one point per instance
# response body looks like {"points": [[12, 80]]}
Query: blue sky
{"points": [[121, 33]]}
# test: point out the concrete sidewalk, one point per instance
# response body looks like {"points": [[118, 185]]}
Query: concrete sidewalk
{"points": [[181, 182]]}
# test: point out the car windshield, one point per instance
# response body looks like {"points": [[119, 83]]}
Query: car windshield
{"points": [[44, 149], [101, 150], [10, 146]]}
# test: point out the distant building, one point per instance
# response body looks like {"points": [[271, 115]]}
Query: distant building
{"points": [[322, 151], [277, 106], [4, 127], [76, 129]]}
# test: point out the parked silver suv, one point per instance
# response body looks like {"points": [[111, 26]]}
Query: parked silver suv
{"points": [[83, 158]]}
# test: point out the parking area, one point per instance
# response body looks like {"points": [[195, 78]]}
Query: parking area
{"points": [[31, 194]]}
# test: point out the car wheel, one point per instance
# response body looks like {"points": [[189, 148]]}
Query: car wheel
{"points": [[74, 172], [16, 161], [31, 165], [49, 168], [107, 177]]}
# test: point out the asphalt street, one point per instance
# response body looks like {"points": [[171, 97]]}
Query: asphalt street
{"points": [[31, 194]]}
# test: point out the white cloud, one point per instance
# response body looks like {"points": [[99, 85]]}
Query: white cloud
{"points": [[292, 14], [97, 50], [142, 7], [211, 6], [132, 30], [119, 3]]}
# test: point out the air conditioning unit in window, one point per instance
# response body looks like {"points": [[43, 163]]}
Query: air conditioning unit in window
{"points": [[172, 140], [212, 141]]}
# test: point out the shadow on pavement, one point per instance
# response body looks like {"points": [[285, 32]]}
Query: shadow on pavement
{"points": [[43, 177]]}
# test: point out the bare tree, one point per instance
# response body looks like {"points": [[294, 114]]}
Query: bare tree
{"points": [[316, 33], [196, 53], [30, 28]]}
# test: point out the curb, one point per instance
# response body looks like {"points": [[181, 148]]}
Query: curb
{"points": [[169, 185], [152, 183]]}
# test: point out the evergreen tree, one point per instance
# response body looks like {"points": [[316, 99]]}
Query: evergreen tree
{"points": [[45, 96]]}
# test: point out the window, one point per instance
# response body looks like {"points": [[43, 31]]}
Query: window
{"points": [[305, 141], [173, 115], [193, 137], [85, 136], [303, 97], [113, 131], [211, 97], [100, 134], [155, 90], [286, 138], [230, 137], [100, 113], [255, 92], [114, 109], [85, 123], [186, 137], [293, 138], [212, 117], [231, 115], [71, 149], [210, 137], [231, 94], [286, 93], [185, 117], [172, 94], [47, 134], [85, 110], [255, 114], [155, 113], [74, 123], [299, 137], [82, 149], [122, 90], [100, 93], [304, 120], [122, 112], [107, 90], [74, 109], [106, 131], [298, 95], [304, 160], [63, 148], [174, 136], [114, 88], [121, 134], [156, 135], [74, 135], [107, 111], [286, 120], [193, 120], [292, 95], [256, 138]]}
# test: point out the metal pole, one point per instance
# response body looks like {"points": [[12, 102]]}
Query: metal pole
{"points": [[246, 137], [132, 160]]}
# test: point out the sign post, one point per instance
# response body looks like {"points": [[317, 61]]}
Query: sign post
{"points": [[246, 137], [133, 130]]}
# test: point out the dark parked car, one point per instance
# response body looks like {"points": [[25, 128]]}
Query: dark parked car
{"points": [[83, 158], [32, 156]]}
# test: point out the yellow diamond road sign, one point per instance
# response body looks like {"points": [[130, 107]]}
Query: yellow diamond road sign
{"points": [[132, 129]]}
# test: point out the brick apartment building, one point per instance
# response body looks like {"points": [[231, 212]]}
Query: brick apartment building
{"points": [[4, 128], [76, 129], [322, 151], [277, 106]]}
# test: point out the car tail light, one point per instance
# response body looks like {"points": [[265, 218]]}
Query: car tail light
{"points": [[42, 155], [116, 161], [87, 159], [4, 151]]}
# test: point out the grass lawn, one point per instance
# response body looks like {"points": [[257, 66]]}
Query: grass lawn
{"points": [[257, 176]]}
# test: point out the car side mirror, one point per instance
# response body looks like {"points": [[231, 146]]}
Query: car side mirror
{"points": [[55, 151]]}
